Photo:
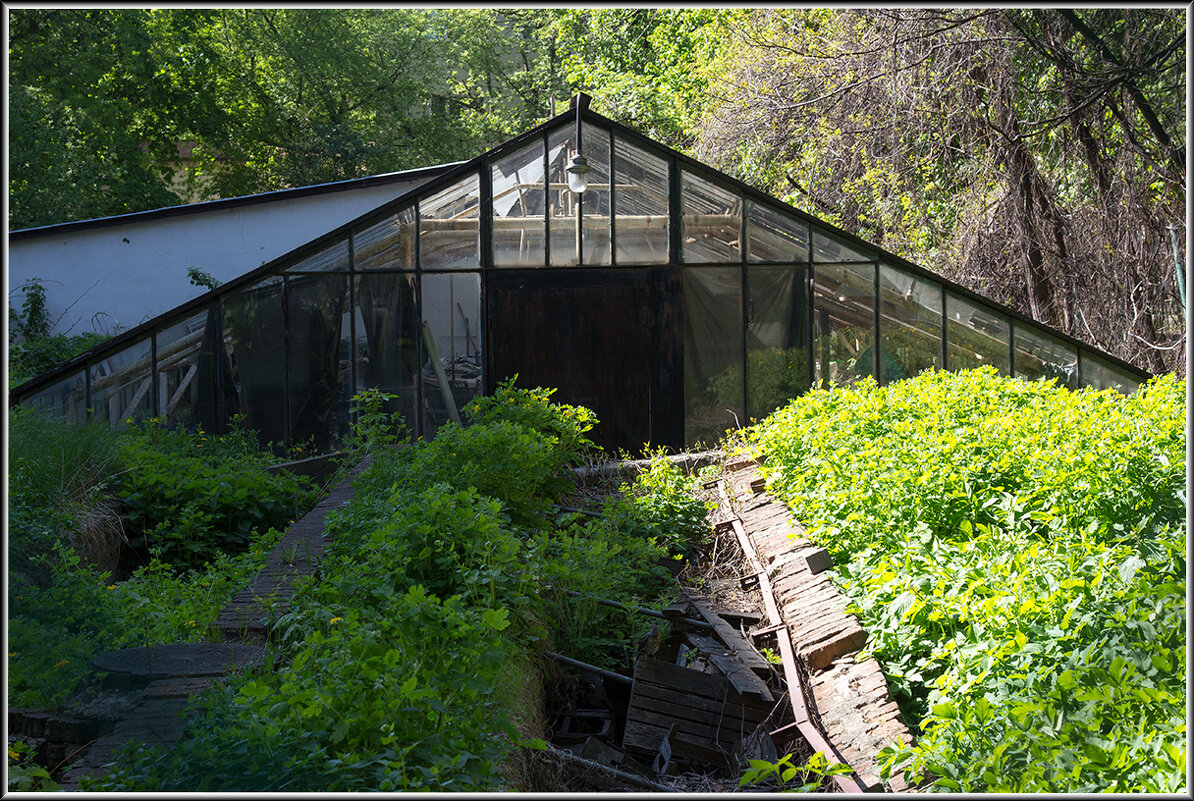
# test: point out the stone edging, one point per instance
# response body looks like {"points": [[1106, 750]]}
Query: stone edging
{"points": [[851, 701]]}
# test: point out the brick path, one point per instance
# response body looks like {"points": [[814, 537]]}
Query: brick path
{"points": [[852, 701], [161, 716]]}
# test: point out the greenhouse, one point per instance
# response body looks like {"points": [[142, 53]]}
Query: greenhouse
{"points": [[673, 300]]}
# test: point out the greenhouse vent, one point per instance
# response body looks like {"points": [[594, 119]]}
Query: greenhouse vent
{"points": [[671, 299]]}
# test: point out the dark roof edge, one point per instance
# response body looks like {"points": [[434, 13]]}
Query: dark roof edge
{"points": [[230, 203]]}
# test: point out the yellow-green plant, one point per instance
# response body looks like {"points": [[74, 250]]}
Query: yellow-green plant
{"points": [[1016, 552]]}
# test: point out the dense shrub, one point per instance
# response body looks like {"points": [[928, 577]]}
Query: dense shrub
{"points": [[441, 574], [189, 497], [55, 630], [563, 425], [1017, 553], [206, 503]]}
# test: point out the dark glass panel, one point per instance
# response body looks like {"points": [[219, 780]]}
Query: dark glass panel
{"points": [[254, 339], [711, 221], [640, 205], [776, 338], [1039, 355], [772, 235], [387, 349], [449, 227], [386, 245], [122, 385], [976, 335], [319, 362], [843, 323], [63, 400], [909, 324], [1099, 373], [332, 258], [451, 336], [712, 314], [518, 208], [187, 372], [830, 248]]}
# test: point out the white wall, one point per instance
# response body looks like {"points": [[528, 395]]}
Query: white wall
{"points": [[114, 277]]}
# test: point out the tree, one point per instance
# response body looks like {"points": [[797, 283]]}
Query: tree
{"points": [[263, 98], [79, 144], [1017, 152]]}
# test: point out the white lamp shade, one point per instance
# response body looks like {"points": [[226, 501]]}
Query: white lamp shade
{"points": [[578, 174]]}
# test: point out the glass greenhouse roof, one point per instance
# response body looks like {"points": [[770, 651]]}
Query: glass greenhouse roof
{"points": [[672, 299]]}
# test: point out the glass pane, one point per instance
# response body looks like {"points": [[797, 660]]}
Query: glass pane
{"points": [[975, 335], [712, 313], [595, 203], [711, 221], [121, 385], [776, 338], [387, 340], [518, 214], [452, 346], [188, 386], [254, 337], [909, 324], [843, 323], [319, 363], [1102, 374], [387, 245], [1039, 355], [65, 399], [640, 205], [449, 227], [565, 209], [333, 258], [827, 247], [772, 235]]}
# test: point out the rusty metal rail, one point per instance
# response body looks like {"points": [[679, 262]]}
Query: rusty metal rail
{"points": [[796, 688]]}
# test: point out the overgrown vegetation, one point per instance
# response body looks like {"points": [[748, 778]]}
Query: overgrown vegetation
{"points": [[407, 663], [189, 496], [33, 350], [203, 510], [1017, 553]]}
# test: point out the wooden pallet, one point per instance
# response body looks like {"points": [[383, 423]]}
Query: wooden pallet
{"points": [[705, 709]]}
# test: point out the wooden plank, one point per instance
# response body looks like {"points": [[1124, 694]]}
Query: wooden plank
{"points": [[729, 635], [653, 695], [657, 671], [647, 734], [740, 676]]}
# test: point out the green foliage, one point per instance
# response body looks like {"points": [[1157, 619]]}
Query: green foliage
{"points": [[661, 506], [56, 629], [55, 474], [783, 772], [532, 409], [189, 497], [1017, 553], [166, 105], [375, 428], [85, 126], [25, 775], [503, 460], [201, 279], [432, 585], [646, 67], [33, 350]]}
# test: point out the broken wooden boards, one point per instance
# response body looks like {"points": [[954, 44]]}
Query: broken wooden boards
{"points": [[707, 713]]}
